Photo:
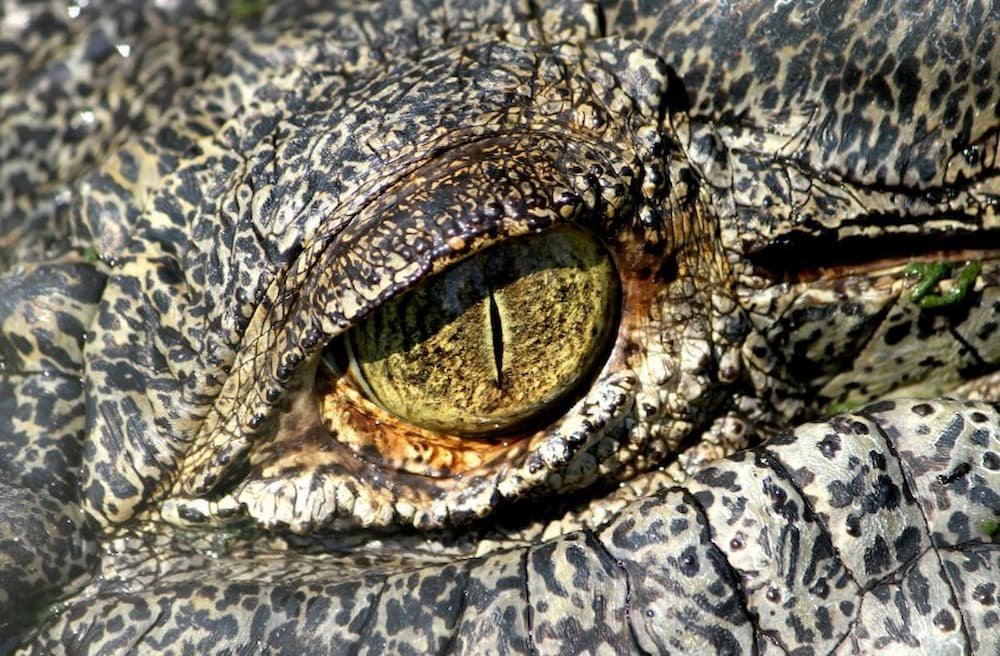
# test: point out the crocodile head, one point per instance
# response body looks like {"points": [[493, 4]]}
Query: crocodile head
{"points": [[384, 288]]}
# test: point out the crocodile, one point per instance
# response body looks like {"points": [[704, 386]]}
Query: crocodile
{"points": [[499, 327]]}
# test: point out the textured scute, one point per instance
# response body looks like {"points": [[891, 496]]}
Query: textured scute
{"points": [[750, 555], [44, 311], [62, 109], [811, 101], [868, 92], [683, 594], [47, 549], [781, 553], [47, 543], [974, 575]]}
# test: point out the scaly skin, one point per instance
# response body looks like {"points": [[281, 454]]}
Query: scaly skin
{"points": [[198, 207]]}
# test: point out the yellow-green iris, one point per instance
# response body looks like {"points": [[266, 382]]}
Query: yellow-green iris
{"points": [[497, 339]]}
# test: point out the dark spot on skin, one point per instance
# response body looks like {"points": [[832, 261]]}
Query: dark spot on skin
{"points": [[116, 624], [991, 461], [923, 409], [820, 588], [947, 438], [958, 524], [712, 477], [842, 495], [907, 545], [907, 79], [930, 362], [881, 406], [689, 563], [853, 525], [985, 593], [885, 495], [877, 557], [189, 514], [944, 621], [882, 593], [897, 333], [829, 445], [987, 331], [958, 472]]}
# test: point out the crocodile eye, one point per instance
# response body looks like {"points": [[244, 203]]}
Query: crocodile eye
{"points": [[495, 341]]}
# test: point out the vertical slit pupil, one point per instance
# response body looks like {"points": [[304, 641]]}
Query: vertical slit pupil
{"points": [[496, 330]]}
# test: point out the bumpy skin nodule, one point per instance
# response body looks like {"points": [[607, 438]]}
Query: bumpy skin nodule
{"points": [[846, 536], [195, 205]]}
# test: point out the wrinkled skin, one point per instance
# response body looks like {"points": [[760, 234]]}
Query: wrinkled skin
{"points": [[198, 208]]}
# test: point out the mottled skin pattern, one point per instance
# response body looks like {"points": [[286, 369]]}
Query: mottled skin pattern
{"points": [[196, 207]]}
